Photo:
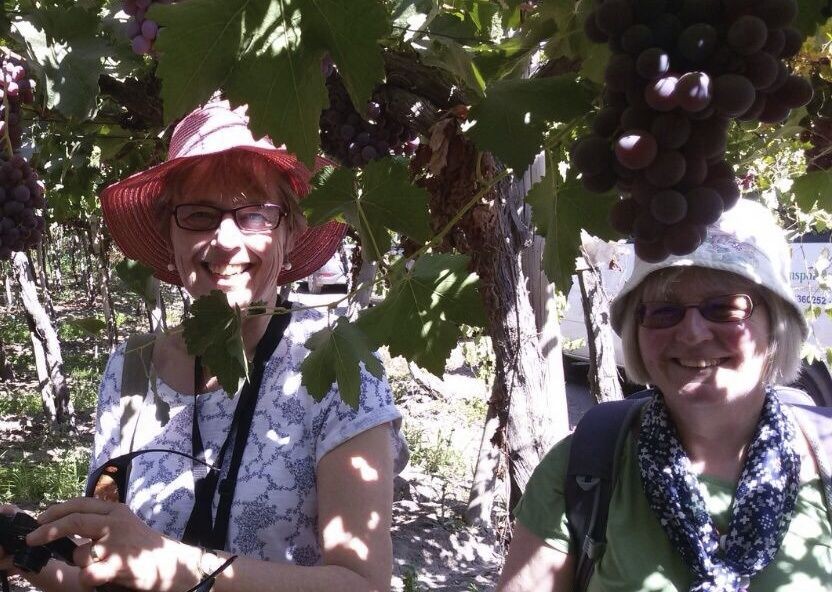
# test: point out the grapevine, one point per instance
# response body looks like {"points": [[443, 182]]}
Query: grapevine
{"points": [[354, 140], [680, 72], [140, 30], [20, 192]]}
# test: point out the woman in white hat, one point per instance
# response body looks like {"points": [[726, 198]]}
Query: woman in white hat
{"points": [[717, 486], [300, 490]]}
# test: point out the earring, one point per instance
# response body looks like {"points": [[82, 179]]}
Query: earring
{"points": [[287, 266]]}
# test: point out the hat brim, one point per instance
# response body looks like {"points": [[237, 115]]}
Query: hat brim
{"points": [[128, 210]]}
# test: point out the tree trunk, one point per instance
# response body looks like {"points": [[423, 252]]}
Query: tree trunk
{"points": [[157, 314], [364, 278], [38, 272], [9, 291], [47, 348], [492, 233], [6, 371], [603, 372], [99, 249], [87, 269], [486, 474], [186, 301]]}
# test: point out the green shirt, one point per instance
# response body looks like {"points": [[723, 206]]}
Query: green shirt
{"points": [[639, 558]]}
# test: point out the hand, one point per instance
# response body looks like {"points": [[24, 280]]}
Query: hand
{"points": [[122, 550], [6, 561]]}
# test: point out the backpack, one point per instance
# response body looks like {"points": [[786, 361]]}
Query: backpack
{"points": [[596, 446]]}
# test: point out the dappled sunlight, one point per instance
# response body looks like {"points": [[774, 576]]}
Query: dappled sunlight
{"points": [[367, 472], [336, 535]]}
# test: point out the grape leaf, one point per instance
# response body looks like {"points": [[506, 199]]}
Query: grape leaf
{"points": [[811, 14], [380, 199], [335, 353], [137, 278], [70, 67], [522, 111], [201, 42], [213, 332], [349, 31], [421, 315], [559, 211], [285, 94], [267, 54], [813, 187]]}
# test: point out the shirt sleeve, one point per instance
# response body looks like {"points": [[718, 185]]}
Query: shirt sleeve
{"points": [[335, 422], [107, 417], [542, 509]]}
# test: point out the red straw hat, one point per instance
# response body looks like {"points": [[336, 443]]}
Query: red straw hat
{"points": [[128, 205]]}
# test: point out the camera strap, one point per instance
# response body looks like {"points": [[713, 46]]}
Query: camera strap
{"points": [[202, 529]]}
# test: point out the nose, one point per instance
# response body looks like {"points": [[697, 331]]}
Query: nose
{"points": [[228, 235], [693, 328]]}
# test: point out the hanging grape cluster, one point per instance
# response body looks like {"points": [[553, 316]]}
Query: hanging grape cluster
{"points": [[680, 71], [141, 31], [351, 139], [20, 192]]}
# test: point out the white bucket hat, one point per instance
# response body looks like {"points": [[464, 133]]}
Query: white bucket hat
{"points": [[745, 241]]}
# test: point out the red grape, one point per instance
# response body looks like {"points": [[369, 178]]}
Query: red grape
{"points": [[636, 149]]}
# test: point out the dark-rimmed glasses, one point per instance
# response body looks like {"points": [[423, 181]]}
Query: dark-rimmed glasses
{"points": [[727, 308], [250, 218]]}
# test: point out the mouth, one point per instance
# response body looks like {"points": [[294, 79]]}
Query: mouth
{"points": [[226, 270], [699, 363]]}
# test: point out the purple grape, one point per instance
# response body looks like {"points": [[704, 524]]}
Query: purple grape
{"points": [[149, 29]]}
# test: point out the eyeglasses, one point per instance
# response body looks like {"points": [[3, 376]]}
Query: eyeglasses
{"points": [[729, 308], [251, 218], [109, 481]]}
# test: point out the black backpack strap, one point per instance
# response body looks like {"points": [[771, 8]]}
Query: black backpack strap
{"points": [[590, 476], [135, 376]]}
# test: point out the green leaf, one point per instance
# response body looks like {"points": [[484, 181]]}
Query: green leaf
{"points": [[213, 332], [90, 325], [810, 14], [200, 44], [559, 212], [424, 308], [285, 94], [349, 30], [70, 68], [813, 187], [138, 279], [335, 353], [381, 199], [451, 56], [512, 120]]}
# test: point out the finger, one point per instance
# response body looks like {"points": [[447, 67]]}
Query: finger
{"points": [[101, 572], [79, 505], [8, 509], [91, 526], [85, 555]]}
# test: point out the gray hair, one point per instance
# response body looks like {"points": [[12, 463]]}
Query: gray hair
{"points": [[785, 338]]}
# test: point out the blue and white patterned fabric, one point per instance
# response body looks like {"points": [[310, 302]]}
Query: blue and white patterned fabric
{"points": [[274, 516], [763, 503]]}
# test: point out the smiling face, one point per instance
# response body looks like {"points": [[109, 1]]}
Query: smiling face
{"points": [[700, 359], [244, 265]]}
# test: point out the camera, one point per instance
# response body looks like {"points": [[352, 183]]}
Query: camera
{"points": [[13, 531]]}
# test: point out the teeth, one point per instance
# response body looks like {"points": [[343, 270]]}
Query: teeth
{"points": [[226, 270], [698, 363]]}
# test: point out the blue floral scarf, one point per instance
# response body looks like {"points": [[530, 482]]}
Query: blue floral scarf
{"points": [[763, 503]]}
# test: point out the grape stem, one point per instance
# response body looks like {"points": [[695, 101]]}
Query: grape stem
{"points": [[7, 139]]}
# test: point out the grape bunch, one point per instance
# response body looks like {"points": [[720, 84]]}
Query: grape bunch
{"points": [[352, 140], [20, 192], [680, 72], [141, 31]]}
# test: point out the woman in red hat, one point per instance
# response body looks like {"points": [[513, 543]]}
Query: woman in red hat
{"points": [[301, 491]]}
